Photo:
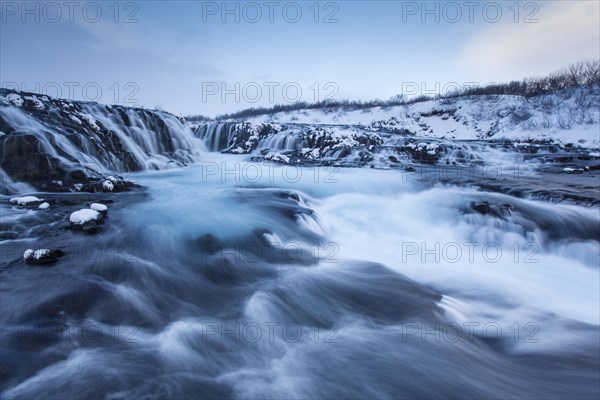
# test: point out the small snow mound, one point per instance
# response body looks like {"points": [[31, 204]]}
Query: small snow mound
{"points": [[37, 103], [108, 185], [41, 256], [82, 216], [90, 120], [44, 206], [278, 157], [99, 207], [75, 119], [15, 99], [41, 253], [25, 200], [28, 254]]}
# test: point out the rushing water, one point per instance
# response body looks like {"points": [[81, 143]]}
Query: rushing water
{"points": [[254, 280]]}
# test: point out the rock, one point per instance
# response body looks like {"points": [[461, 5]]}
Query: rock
{"points": [[90, 228], [506, 209], [426, 153], [495, 210], [44, 206], [26, 201], [393, 159], [86, 220], [108, 186], [365, 156], [481, 207], [290, 195], [23, 159], [42, 256], [101, 208]]}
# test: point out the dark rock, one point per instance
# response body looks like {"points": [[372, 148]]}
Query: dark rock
{"points": [[290, 195], [90, 228], [42, 256], [481, 207]]}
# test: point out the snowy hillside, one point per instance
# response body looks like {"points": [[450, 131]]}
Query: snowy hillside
{"points": [[569, 116]]}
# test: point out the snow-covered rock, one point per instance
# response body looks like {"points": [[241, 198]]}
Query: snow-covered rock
{"points": [[25, 200], [41, 256], [90, 120], [108, 186], [86, 220], [101, 208], [85, 215], [44, 206], [15, 99]]}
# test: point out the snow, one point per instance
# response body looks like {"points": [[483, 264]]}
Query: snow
{"points": [[37, 103], [82, 216], [90, 120], [77, 120], [112, 179], [556, 117], [278, 157], [44, 206], [23, 201], [16, 99], [98, 207], [28, 254], [567, 169], [41, 253], [108, 185]]}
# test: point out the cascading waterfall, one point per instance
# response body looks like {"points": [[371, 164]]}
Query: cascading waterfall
{"points": [[50, 138], [217, 136]]}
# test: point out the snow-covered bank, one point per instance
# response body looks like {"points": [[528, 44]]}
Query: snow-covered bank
{"points": [[569, 116]]}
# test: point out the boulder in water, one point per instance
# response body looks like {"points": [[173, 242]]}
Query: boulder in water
{"points": [[86, 220], [42, 256], [482, 207]]}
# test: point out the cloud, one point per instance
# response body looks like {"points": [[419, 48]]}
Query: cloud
{"points": [[566, 31]]}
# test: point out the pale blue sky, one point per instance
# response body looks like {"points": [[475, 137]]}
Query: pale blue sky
{"points": [[177, 52]]}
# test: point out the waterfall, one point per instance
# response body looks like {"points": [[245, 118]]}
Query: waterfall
{"points": [[48, 139], [216, 136]]}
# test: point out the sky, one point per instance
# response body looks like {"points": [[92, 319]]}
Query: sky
{"points": [[215, 57]]}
